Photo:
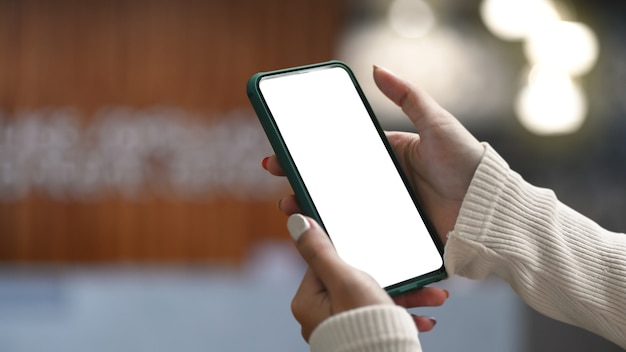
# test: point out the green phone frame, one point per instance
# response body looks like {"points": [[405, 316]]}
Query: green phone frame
{"points": [[302, 195]]}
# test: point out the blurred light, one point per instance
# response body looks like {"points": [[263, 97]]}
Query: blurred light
{"points": [[158, 151], [450, 65], [411, 18], [516, 19], [551, 103], [570, 45]]}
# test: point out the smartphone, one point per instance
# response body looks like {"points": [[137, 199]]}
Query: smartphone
{"points": [[344, 173]]}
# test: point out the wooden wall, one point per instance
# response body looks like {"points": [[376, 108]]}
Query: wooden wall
{"points": [[192, 54]]}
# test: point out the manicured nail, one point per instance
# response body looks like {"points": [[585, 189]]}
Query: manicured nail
{"points": [[297, 225], [376, 67], [433, 320], [264, 162]]}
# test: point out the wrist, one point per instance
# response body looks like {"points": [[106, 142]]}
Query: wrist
{"points": [[389, 326]]}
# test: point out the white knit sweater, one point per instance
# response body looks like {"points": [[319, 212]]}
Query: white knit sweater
{"points": [[558, 261]]}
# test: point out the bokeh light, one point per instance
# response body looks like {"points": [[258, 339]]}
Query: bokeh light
{"points": [[411, 18], [571, 45], [163, 152], [449, 64], [551, 103], [515, 19]]}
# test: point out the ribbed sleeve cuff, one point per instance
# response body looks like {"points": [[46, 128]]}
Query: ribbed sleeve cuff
{"points": [[373, 328], [559, 261], [464, 253], [503, 220]]}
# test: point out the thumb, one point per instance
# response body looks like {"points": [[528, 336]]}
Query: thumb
{"points": [[316, 248], [416, 104]]}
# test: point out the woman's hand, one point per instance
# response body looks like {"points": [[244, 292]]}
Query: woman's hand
{"points": [[440, 161], [331, 286]]}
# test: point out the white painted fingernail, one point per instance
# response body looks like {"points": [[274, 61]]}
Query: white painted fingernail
{"points": [[297, 225]]}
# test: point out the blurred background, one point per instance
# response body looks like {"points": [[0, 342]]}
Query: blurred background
{"points": [[134, 213]]}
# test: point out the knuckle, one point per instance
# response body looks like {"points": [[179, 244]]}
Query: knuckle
{"points": [[297, 308]]}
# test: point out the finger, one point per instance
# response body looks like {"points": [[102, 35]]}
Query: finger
{"points": [[317, 250], [402, 144], [310, 284], [419, 106], [272, 165], [400, 139], [424, 297], [289, 205], [424, 324], [308, 295]]}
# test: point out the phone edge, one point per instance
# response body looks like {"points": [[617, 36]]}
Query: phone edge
{"points": [[300, 191]]}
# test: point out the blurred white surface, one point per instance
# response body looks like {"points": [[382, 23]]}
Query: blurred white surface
{"points": [[210, 308]]}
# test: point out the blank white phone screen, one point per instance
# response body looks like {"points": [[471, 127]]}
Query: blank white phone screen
{"points": [[353, 182]]}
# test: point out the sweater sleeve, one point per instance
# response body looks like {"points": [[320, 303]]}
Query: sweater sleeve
{"points": [[558, 261], [380, 328]]}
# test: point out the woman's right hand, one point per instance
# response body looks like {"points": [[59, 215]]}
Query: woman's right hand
{"points": [[331, 286], [440, 160]]}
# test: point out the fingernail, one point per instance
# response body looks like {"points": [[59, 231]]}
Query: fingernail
{"points": [[297, 225], [264, 162], [433, 320], [447, 293], [278, 204], [376, 67]]}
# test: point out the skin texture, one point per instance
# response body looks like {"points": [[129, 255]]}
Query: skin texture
{"points": [[440, 161], [331, 286]]}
